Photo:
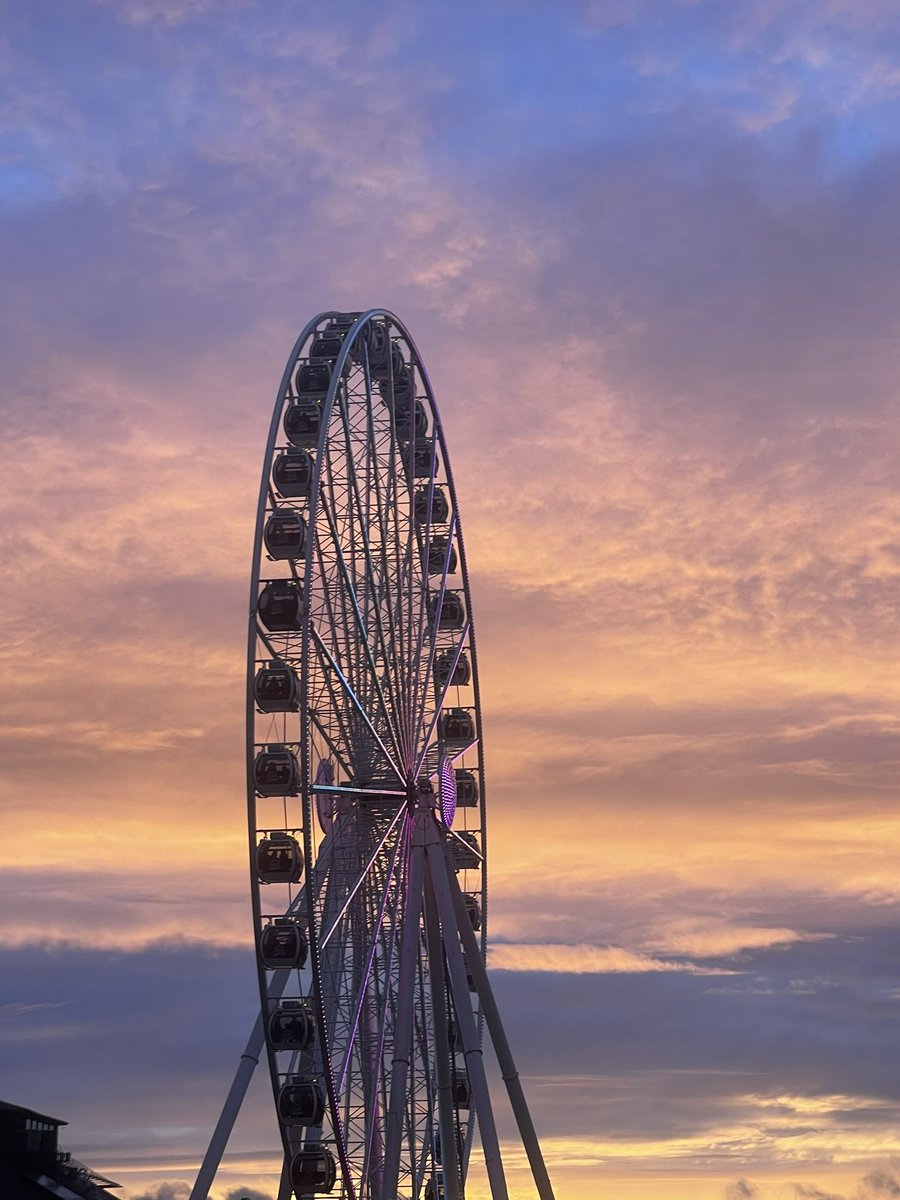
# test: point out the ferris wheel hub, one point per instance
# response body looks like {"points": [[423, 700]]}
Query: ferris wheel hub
{"points": [[420, 796]]}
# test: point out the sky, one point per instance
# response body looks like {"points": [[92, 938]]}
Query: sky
{"points": [[649, 252]]}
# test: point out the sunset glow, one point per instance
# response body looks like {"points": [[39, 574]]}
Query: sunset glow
{"points": [[648, 250]]}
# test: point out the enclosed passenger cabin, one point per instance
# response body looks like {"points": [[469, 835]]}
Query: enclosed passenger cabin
{"points": [[300, 1101], [313, 379], [341, 323], [420, 457], [434, 1188], [400, 388], [450, 671], [292, 1026], [276, 772], [410, 420], [438, 555], [292, 473], [438, 1152], [279, 859], [466, 789], [466, 854], [473, 910], [470, 978], [302, 422], [440, 506], [371, 344], [452, 613], [313, 1172], [462, 1093], [326, 345], [285, 534], [283, 945], [276, 688], [386, 361], [456, 726], [281, 607]]}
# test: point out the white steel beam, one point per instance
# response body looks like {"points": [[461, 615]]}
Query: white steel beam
{"points": [[499, 1039], [438, 872]]}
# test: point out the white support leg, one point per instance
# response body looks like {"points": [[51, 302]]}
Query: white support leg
{"points": [[500, 1043], [285, 1191], [235, 1097], [438, 873], [446, 1113]]}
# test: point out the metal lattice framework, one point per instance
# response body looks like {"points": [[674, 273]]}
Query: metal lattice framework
{"points": [[366, 788]]}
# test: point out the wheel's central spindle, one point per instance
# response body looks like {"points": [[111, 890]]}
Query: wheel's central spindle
{"points": [[419, 795]]}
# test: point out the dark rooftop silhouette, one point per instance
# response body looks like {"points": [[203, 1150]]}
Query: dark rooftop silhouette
{"points": [[32, 1167]]}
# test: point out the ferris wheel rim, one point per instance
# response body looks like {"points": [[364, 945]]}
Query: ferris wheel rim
{"points": [[318, 939]]}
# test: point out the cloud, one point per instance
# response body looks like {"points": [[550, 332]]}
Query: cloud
{"points": [[711, 939], [741, 1189], [881, 1182], [24, 1010], [581, 959], [176, 1190], [649, 255]]}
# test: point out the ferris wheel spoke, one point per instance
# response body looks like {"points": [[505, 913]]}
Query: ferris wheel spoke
{"points": [[266, 641], [418, 687], [441, 701], [404, 434], [355, 579], [337, 708], [346, 596], [333, 623], [433, 637], [389, 602], [328, 659], [367, 971], [393, 573], [337, 790], [405, 591], [363, 639], [463, 842], [401, 488], [410, 558], [357, 516], [329, 742], [342, 715], [380, 488], [425, 689], [347, 987], [363, 875], [377, 1095], [363, 512], [425, 549]]}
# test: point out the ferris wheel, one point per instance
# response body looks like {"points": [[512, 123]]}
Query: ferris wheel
{"points": [[366, 793]]}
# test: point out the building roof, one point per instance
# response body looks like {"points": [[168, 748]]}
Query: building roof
{"points": [[5, 1107], [32, 1167]]}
